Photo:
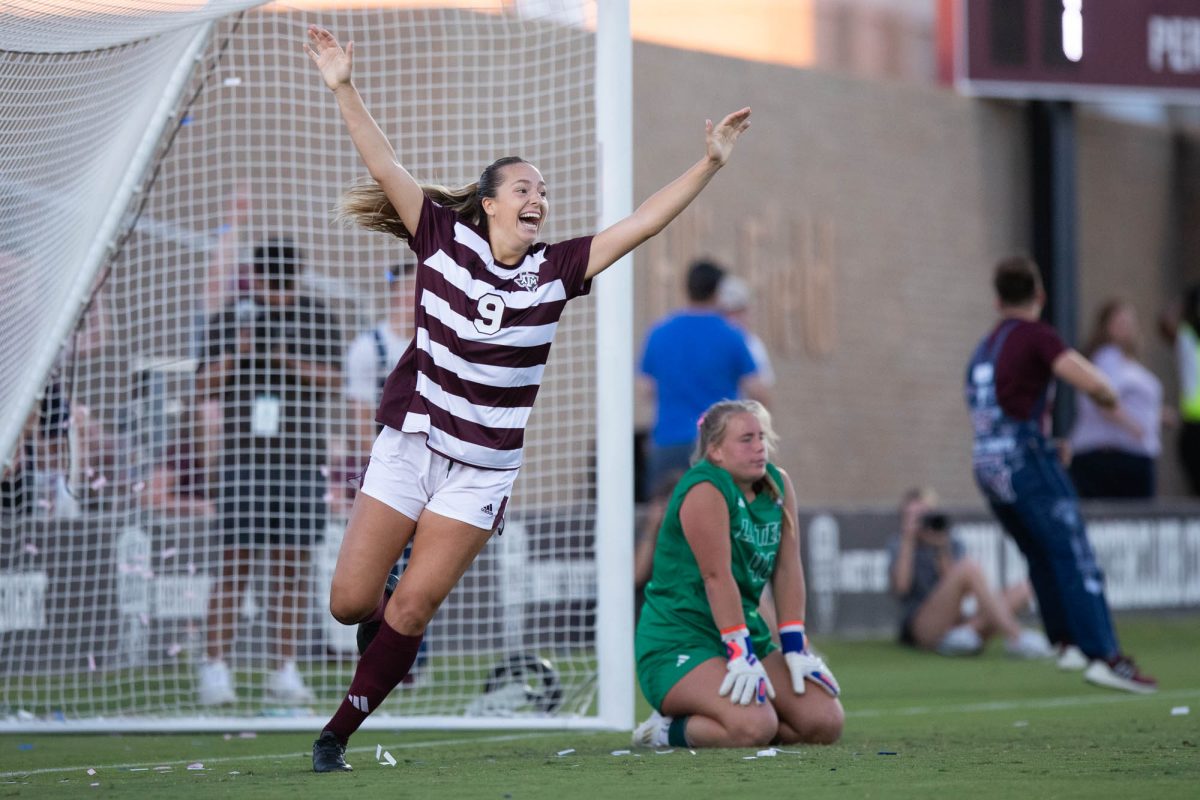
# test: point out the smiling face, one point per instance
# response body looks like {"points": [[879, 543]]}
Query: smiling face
{"points": [[516, 213], [742, 451]]}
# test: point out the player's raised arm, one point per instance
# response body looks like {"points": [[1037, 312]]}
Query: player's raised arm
{"points": [[664, 205], [336, 66]]}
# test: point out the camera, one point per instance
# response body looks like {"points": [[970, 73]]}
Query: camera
{"points": [[935, 521]]}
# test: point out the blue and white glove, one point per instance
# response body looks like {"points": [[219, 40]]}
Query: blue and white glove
{"points": [[801, 663], [745, 678]]}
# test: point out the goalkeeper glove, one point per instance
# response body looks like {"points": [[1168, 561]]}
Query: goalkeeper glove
{"points": [[745, 678], [802, 664]]}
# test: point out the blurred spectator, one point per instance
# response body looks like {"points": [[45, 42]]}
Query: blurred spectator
{"points": [[931, 575], [36, 479], [1115, 450], [272, 361], [371, 356], [647, 536], [1008, 387], [734, 298], [1181, 327], [178, 483], [692, 359]]}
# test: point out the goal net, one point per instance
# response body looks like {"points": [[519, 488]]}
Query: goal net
{"points": [[192, 351]]}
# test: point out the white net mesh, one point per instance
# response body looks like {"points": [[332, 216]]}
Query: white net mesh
{"points": [[145, 153]]}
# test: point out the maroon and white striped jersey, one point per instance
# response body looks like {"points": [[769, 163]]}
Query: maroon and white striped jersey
{"points": [[483, 333]]}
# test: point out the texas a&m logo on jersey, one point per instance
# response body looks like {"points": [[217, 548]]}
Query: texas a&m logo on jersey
{"points": [[527, 280]]}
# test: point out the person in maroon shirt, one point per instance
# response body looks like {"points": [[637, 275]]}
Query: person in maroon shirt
{"points": [[1008, 390], [455, 406]]}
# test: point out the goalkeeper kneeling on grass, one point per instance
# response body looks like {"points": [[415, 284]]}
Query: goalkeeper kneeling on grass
{"points": [[705, 659]]}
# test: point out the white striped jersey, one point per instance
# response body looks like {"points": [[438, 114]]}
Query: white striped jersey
{"points": [[483, 333]]}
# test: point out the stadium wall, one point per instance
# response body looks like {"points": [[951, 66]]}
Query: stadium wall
{"points": [[867, 215]]}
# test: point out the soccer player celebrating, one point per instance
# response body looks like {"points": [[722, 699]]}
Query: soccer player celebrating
{"points": [[705, 658], [454, 409], [1008, 389]]}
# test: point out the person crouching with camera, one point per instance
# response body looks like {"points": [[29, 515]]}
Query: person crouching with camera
{"points": [[931, 576]]}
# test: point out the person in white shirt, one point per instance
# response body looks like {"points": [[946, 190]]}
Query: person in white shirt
{"points": [[1114, 451]]}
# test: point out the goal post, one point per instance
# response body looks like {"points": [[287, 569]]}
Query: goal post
{"points": [[171, 212]]}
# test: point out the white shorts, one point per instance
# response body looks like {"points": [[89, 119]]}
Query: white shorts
{"points": [[406, 475]]}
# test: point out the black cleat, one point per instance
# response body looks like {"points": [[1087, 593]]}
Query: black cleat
{"points": [[367, 630], [329, 755]]}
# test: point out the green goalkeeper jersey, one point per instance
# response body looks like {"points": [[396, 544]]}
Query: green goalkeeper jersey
{"points": [[676, 603]]}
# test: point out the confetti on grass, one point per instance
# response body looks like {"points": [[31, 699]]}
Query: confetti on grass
{"points": [[1180, 711], [388, 759], [566, 752], [770, 752], [620, 752], [197, 765]]}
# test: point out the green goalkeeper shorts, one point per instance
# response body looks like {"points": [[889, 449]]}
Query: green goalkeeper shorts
{"points": [[662, 662]]}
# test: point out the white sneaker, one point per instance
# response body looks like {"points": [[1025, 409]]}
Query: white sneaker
{"points": [[1120, 673], [1071, 658], [1030, 644], [960, 641], [652, 732], [215, 684], [286, 685]]}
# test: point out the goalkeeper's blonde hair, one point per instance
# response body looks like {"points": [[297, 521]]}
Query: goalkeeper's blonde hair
{"points": [[712, 427]]}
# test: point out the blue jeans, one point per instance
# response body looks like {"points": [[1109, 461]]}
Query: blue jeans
{"points": [[1045, 523]]}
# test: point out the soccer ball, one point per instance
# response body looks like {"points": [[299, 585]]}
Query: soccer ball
{"points": [[522, 682]]}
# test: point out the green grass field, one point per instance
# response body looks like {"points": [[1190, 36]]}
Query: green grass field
{"points": [[917, 726]]}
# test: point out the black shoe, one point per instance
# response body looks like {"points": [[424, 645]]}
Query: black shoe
{"points": [[367, 630], [329, 755]]}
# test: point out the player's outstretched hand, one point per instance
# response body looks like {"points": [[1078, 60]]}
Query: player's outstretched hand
{"points": [[334, 62], [721, 138]]}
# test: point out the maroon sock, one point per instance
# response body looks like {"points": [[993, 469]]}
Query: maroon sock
{"points": [[387, 660]]}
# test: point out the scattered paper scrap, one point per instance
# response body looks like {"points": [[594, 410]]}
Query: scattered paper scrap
{"points": [[197, 765], [1021, 724], [566, 752], [95, 784], [664, 752], [1180, 711], [235, 772], [91, 771], [749, 758], [139, 769], [620, 752], [389, 758], [770, 752], [378, 752]]}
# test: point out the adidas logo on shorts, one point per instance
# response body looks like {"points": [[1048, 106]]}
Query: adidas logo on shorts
{"points": [[359, 702], [488, 510]]}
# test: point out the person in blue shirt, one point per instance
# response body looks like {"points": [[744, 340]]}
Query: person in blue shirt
{"points": [[692, 359]]}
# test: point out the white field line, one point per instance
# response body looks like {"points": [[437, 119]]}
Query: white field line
{"points": [[909, 711], [512, 737], [1022, 705]]}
